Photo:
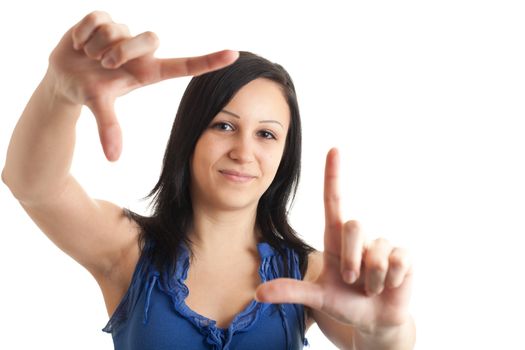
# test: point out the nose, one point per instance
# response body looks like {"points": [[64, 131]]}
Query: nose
{"points": [[242, 150]]}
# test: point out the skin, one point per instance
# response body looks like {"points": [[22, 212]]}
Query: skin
{"points": [[363, 285], [114, 63], [248, 136], [360, 290], [97, 61]]}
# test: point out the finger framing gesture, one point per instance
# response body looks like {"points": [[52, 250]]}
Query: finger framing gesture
{"points": [[98, 60], [361, 283]]}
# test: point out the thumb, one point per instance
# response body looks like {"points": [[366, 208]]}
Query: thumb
{"points": [[290, 291], [108, 128]]}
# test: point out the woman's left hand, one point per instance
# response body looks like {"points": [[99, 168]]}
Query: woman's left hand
{"points": [[363, 284]]}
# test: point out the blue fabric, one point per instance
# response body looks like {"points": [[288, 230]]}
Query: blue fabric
{"points": [[153, 314]]}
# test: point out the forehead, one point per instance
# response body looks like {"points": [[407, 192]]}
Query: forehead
{"points": [[260, 99]]}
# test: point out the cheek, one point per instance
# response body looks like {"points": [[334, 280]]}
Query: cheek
{"points": [[272, 161], [198, 160], [207, 152]]}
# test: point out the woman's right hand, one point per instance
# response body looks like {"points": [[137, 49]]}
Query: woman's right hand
{"points": [[98, 60]]}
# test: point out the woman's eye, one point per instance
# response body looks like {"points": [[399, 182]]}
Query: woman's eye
{"points": [[267, 135], [222, 126]]}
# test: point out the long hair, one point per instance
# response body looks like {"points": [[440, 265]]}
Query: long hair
{"points": [[172, 215]]}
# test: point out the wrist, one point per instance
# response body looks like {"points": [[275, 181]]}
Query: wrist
{"points": [[399, 337], [56, 93]]}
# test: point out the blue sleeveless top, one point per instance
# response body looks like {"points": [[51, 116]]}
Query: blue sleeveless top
{"points": [[153, 314]]}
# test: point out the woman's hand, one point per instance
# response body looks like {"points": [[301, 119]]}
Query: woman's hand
{"points": [[363, 284], [98, 60]]}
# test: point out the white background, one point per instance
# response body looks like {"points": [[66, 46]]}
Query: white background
{"points": [[424, 99]]}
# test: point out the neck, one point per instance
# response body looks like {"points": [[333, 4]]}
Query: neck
{"points": [[224, 232]]}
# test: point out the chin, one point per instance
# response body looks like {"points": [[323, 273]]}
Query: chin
{"points": [[236, 202]]}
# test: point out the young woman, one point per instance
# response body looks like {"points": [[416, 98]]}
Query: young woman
{"points": [[216, 266]]}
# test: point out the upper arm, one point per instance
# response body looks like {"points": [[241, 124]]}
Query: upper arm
{"points": [[93, 232]]}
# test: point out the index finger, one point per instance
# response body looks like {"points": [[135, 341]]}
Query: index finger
{"points": [[332, 197], [178, 67]]}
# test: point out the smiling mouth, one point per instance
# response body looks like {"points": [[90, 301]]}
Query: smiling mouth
{"points": [[236, 176]]}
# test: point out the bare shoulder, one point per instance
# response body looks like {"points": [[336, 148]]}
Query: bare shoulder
{"points": [[117, 281], [315, 265], [94, 232]]}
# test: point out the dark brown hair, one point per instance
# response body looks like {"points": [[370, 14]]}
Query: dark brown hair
{"points": [[172, 215]]}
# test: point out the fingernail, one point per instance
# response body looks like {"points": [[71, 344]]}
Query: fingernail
{"points": [[373, 293], [112, 153], [370, 293], [108, 61], [349, 276]]}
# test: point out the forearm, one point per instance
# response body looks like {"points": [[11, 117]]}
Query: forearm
{"points": [[402, 338], [41, 149]]}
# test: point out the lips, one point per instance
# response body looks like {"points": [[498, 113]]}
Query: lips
{"points": [[236, 175]]}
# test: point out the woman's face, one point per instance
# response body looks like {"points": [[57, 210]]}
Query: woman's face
{"points": [[237, 156]]}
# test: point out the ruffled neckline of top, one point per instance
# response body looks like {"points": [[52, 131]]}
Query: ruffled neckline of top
{"points": [[176, 287], [271, 267], [177, 290]]}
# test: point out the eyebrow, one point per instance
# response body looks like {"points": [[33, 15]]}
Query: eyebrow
{"points": [[260, 121]]}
